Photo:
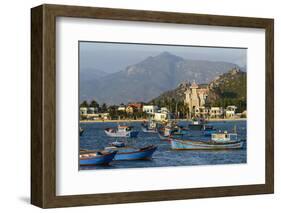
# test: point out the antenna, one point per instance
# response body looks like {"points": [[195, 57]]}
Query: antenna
{"points": [[235, 129]]}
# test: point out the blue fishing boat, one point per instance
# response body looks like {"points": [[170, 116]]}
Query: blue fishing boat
{"points": [[218, 141], [121, 132], [131, 153], [88, 157]]}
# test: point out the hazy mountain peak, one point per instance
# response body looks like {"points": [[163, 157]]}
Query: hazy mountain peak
{"points": [[168, 55], [150, 77]]}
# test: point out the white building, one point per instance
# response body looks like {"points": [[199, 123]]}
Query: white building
{"points": [[150, 109], [202, 112], [216, 112], [122, 108], [230, 111], [92, 110], [159, 116], [83, 110], [164, 110]]}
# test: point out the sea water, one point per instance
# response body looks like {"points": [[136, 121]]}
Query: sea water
{"points": [[94, 138]]}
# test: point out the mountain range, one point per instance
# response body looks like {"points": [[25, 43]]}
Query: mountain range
{"points": [[148, 79]]}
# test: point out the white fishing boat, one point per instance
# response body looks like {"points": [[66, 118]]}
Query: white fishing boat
{"points": [[150, 126], [121, 131]]}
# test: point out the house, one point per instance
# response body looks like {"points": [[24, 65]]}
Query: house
{"points": [[92, 110], [98, 116], [159, 116], [216, 112], [164, 110], [122, 108], [230, 111], [130, 109], [150, 109], [134, 107], [202, 112], [83, 110]]}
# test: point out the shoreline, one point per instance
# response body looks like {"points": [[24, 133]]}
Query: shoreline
{"points": [[142, 120]]}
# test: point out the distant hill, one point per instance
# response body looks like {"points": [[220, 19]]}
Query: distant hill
{"points": [[227, 89], [89, 78], [150, 78], [175, 94]]}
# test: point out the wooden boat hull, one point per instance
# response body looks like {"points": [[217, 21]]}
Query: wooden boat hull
{"points": [[98, 160], [200, 145], [142, 154]]}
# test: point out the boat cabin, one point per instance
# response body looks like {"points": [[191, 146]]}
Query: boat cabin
{"points": [[224, 137], [124, 128]]}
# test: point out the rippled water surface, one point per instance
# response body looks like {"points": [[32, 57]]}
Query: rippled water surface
{"points": [[95, 138]]}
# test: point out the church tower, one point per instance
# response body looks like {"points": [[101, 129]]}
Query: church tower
{"points": [[195, 98]]}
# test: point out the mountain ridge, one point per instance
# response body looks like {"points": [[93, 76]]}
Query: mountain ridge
{"points": [[151, 77]]}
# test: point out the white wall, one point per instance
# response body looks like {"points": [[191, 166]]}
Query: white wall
{"points": [[15, 104]]}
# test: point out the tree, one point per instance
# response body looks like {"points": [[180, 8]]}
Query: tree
{"points": [[104, 107], [94, 104], [84, 104]]}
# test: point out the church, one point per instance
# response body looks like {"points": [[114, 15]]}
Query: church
{"points": [[195, 99]]}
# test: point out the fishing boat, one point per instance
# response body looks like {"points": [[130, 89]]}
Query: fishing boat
{"points": [[163, 136], [199, 128], [90, 157], [132, 153], [196, 125], [218, 141], [149, 127], [121, 131], [81, 131], [171, 129]]}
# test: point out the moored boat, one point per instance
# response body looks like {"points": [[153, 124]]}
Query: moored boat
{"points": [[96, 157], [162, 136], [131, 153], [196, 125], [199, 128], [149, 127], [218, 141], [121, 131], [81, 131]]}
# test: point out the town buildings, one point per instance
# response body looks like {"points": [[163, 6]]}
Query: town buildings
{"points": [[196, 98]]}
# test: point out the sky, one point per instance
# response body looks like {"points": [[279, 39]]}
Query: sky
{"points": [[113, 57]]}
